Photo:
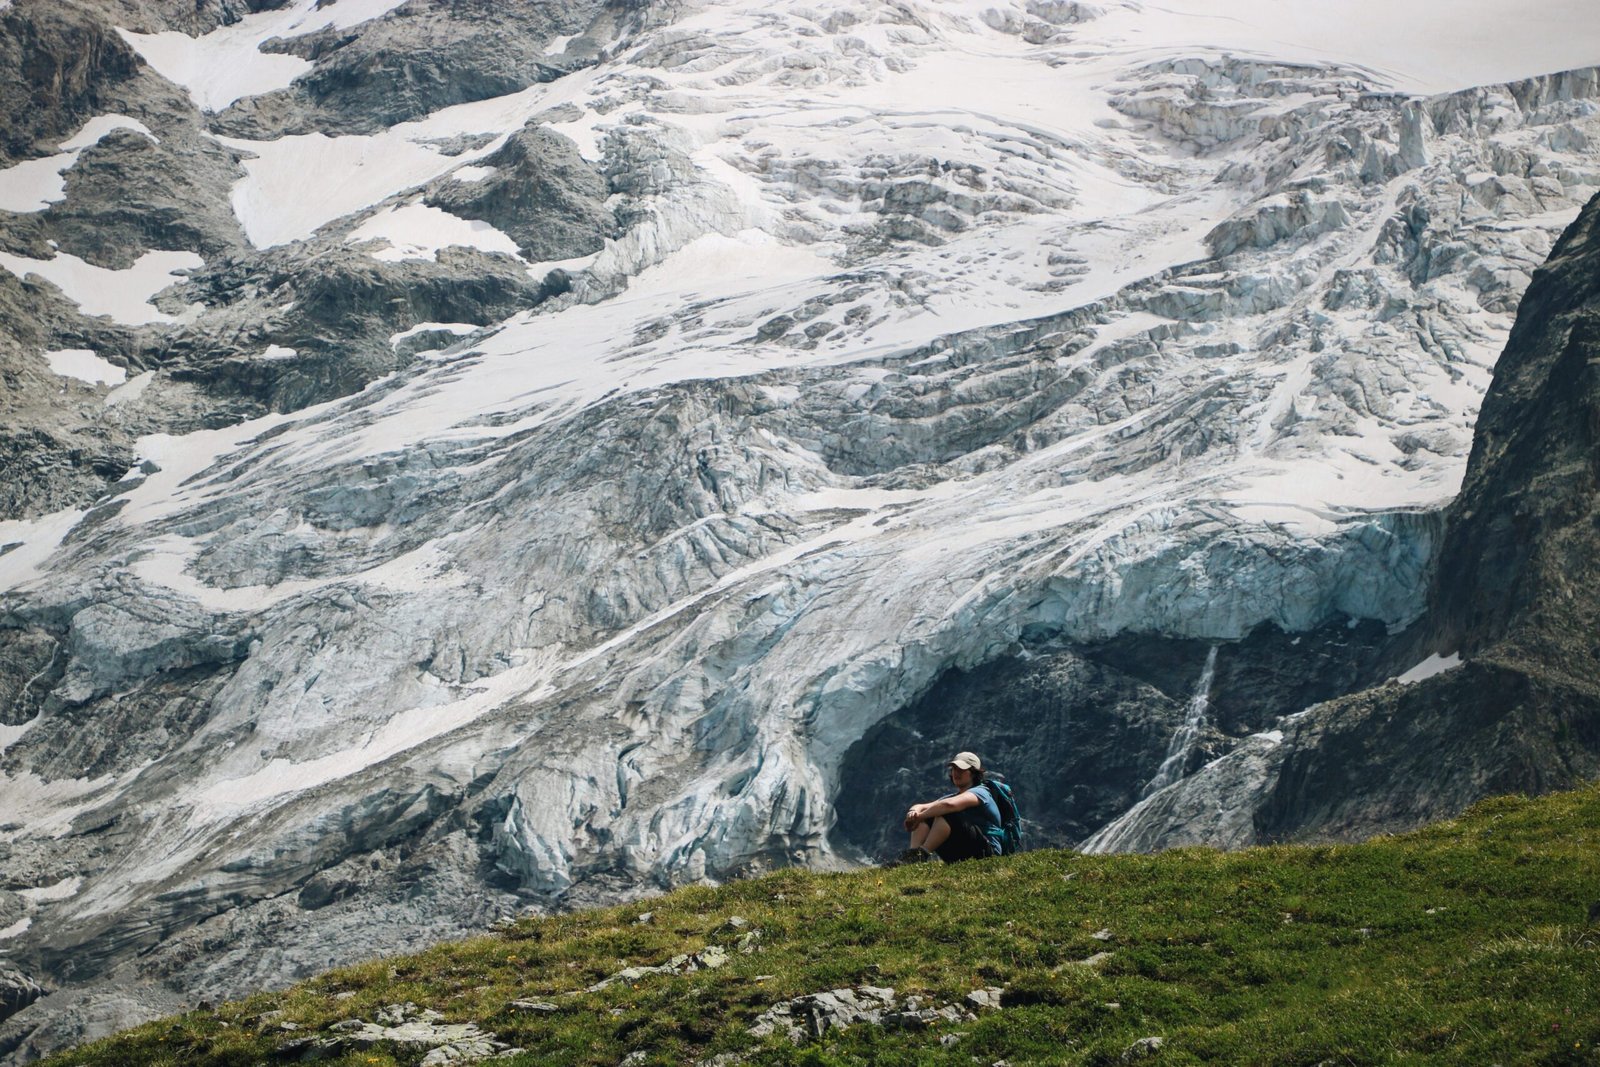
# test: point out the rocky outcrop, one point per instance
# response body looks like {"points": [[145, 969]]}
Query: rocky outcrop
{"points": [[1516, 580], [61, 64], [1515, 595], [285, 330], [404, 1026], [17, 991], [541, 193], [814, 1015], [1082, 732], [132, 192], [421, 57]]}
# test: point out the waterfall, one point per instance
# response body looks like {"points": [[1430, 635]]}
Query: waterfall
{"points": [[1183, 740]]}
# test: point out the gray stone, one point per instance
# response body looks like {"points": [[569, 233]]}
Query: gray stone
{"points": [[709, 958], [986, 998], [1142, 1049], [408, 1026], [814, 1014]]}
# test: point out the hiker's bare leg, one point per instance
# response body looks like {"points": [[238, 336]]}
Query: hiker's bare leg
{"points": [[931, 834]]}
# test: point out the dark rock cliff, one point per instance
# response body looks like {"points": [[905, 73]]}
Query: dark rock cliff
{"points": [[1515, 594], [1081, 731], [1517, 580]]}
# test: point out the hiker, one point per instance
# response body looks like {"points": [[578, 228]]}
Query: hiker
{"points": [[964, 825]]}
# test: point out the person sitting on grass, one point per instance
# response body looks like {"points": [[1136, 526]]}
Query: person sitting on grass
{"points": [[964, 825]]}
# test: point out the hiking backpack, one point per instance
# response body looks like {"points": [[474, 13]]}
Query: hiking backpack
{"points": [[1010, 836]]}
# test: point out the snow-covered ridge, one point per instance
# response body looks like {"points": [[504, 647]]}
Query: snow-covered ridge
{"points": [[923, 328]]}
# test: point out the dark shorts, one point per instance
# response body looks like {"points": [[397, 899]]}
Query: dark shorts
{"points": [[966, 842]]}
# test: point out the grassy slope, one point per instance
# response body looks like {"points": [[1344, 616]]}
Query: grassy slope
{"points": [[1467, 942]]}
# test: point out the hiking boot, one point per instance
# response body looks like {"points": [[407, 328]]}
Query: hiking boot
{"points": [[915, 855]]}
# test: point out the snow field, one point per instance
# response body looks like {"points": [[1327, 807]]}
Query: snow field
{"points": [[123, 295]]}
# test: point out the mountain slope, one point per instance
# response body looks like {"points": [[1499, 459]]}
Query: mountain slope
{"points": [[553, 477], [1464, 943]]}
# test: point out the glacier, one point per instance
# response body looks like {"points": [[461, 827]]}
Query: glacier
{"points": [[897, 339]]}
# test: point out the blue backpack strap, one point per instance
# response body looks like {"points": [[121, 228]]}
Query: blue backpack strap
{"points": [[995, 835]]}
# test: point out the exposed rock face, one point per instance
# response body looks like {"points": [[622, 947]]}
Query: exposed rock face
{"points": [[1516, 577], [17, 991], [542, 194], [60, 65], [1516, 595], [1080, 733], [423, 56]]}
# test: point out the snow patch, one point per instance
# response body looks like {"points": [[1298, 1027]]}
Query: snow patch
{"points": [[123, 295], [220, 68], [35, 541], [84, 365], [538, 271], [417, 231], [16, 929], [62, 890], [46, 808], [10, 734], [35, 184], [296, 184], [96, 129], [1434, 664], [130, 390], [459, 329]]}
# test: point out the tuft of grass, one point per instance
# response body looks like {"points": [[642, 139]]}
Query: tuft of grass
{"points": [[1465, 942]]}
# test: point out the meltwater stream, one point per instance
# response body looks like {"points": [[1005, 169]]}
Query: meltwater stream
{"points": [[1183, 740]]}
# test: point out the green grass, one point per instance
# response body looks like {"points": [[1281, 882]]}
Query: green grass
{"points": [[1466, 942]]}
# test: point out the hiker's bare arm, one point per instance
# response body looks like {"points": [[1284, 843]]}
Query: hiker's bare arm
{"points": [[935, 808]]}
